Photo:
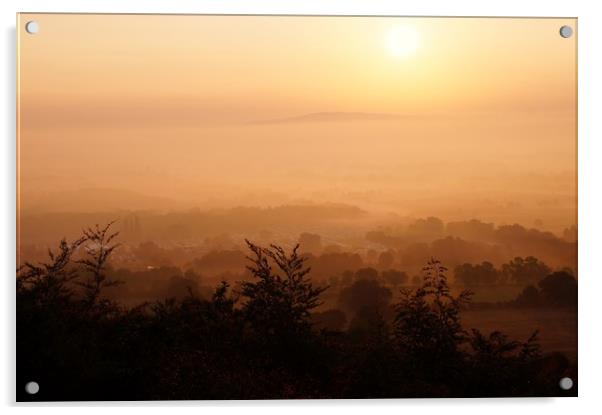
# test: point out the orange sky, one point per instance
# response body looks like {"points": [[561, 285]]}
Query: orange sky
{"points": [[158, 104], [239, 66]]}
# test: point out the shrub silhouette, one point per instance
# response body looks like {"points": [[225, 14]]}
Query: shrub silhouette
{"points": [[46, 283], [512, 364], [427, 324], [559, 288], [256, 341], [332, 320], [365, 294], [529, 297], [279, 301], [98, 247]]}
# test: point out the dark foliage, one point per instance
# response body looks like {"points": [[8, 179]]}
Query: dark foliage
{"points": [[529, 297], [258, 341], [559, 289], [394, 277], [279, 301], [428, 329], [476, 275], [527, 270], [365, 294]]}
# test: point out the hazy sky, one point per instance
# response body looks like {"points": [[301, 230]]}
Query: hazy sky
{"points": [[239, 67], [179, 106]]}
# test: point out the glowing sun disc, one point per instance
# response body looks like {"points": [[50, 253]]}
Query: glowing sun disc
{"points": [[403, 41]]}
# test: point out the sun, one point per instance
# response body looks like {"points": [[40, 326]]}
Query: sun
{"points": [[403, 41]]}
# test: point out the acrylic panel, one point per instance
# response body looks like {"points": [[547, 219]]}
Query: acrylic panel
{"points": [[295, 207]]}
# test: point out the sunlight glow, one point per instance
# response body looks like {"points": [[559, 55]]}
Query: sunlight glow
{"points": [[403, 41]]}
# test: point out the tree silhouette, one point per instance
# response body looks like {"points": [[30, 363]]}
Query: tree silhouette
{"points": [[529, 297], [385, 260], [476, 275], [49, 281], [500, 365], [98, 248], [529, 270], [279, 300], [559, 288], [257, 341], [427, 321], [395, 277], [365, 294]]}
